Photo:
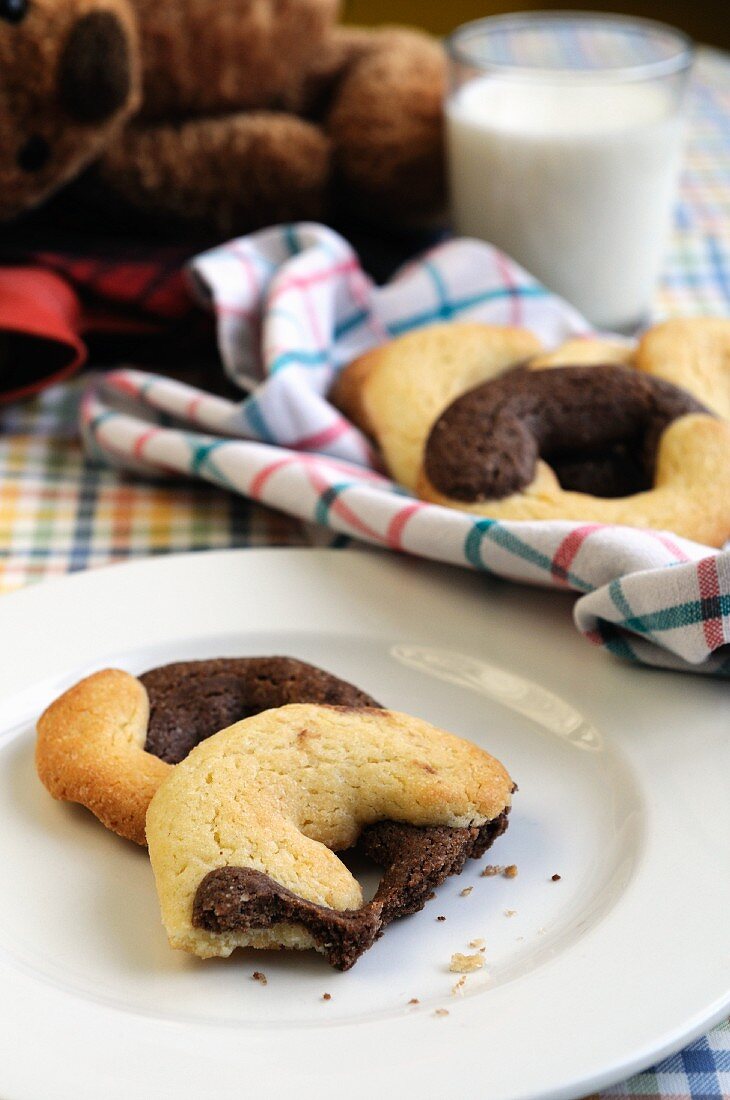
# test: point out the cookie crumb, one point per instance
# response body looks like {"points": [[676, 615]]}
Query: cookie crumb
{"points": [[511, 871], [414, 1001], [463, 964], [440, 918], [260, 978], [465, 892], [492, 869], [478, 943], [458, 987], [555, 878], [510, 912], [326, 996], [441, 1012]]}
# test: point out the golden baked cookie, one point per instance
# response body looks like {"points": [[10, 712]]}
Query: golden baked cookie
{"points": [[601, 443], [584, 351], [242, 835], [692, 352], [395, 392], [109, 741]]}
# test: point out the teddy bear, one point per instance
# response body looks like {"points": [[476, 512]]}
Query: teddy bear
{"points": [[224, 115]]}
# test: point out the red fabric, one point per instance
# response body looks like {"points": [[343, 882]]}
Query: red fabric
{"points": [[40, 318], [45, 309], [147, 283]]}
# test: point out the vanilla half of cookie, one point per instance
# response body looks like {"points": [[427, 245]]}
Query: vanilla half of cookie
{"points": [[243, 833]]}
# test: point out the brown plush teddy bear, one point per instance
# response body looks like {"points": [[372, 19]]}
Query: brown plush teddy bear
{"points": [[224, 114]]}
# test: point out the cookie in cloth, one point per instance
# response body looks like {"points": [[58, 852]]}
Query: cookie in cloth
{"points": [[468, 417], [693, 352], [242, 834], [605, 444], [109, 741], [395, 392]]}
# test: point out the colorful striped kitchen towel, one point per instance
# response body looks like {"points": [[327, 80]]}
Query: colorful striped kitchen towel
{"points": [[292, 305]]}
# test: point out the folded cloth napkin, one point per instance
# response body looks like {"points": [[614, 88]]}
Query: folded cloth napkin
{"points": [[292, 306]]}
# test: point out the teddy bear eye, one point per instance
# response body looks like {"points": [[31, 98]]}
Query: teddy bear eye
{"points": [[13, 11]]}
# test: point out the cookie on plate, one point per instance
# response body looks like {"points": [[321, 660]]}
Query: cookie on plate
{"points": [[242, 834], [110, 740]]}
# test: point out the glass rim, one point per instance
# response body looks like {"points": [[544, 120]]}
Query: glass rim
{"points": [[677, 62]]}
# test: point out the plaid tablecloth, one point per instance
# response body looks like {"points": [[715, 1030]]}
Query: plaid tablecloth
{"points": [[60, 514]]}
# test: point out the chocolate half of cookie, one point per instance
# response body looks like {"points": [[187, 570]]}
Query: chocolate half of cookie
{"points": [[598, 427], [192, 700], [416, 861]]}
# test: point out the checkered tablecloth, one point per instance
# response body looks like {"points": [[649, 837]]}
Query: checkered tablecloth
{"points": [[60, 514]]}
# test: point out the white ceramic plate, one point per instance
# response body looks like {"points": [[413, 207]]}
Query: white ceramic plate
{"points": [[623, 777]]}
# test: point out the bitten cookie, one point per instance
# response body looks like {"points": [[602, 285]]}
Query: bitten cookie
{"points": [[597, 443], [694, 353], [242, 835], [109, 741], [394, 393]]}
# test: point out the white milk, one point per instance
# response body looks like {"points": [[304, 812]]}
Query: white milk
{"points": [[577, 184]]}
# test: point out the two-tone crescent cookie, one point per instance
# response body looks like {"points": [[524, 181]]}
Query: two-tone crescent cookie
{"points": [[606, 444], [593, 431], [242, 834], [110, 740]]}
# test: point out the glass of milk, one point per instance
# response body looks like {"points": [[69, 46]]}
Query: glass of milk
{"points": [[564, 144]]}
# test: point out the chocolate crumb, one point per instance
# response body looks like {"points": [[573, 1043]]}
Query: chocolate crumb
{"points": [[414, 1001], [555, 878], [465, 892], [441, 1012], [440, 918], [260, 978], [326, 996], [511, 871]]}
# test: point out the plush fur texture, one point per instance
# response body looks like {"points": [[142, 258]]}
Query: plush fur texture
{"points": [[225, 114]]}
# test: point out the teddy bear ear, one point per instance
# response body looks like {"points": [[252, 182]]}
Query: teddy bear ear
{"points": [[95, 75]]}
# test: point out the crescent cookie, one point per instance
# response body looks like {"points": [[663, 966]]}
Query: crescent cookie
{"points": [[242, 834], [692, 352], [109, 741], [395, 392], [599, 443], [584, 351]]}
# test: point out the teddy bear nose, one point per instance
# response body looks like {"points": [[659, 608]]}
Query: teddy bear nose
{"points": [[34, 154], [94, 72]]}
